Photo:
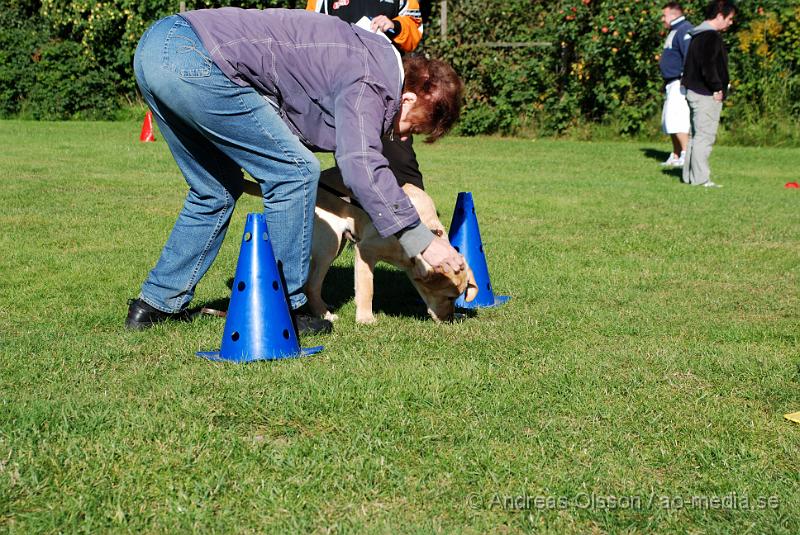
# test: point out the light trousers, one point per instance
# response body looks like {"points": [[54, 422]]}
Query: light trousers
{"points": [[705, 113]]}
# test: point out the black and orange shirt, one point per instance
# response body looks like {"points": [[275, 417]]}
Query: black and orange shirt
{"points": [[407, 32]]}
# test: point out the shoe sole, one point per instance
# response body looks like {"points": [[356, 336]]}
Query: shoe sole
{"points": [[137, 326], [142, 325]]}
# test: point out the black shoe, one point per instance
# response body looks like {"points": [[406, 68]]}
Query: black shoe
{"points": [[142, 316], [306, 323]]}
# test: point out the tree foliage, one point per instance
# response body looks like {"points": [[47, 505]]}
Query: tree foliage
{"points": [[597, 60], [552, 63]]}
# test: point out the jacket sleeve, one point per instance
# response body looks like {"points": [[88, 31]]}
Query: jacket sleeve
{"points": [[712, 64], [408, 26], [359, 112], [683, 45]]}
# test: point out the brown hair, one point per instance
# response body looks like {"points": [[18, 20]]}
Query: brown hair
{"points": [[724, 7], [439, 93]]}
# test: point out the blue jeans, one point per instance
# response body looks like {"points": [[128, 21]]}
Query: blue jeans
{"points": [[214, 129]]}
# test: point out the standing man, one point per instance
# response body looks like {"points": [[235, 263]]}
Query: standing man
{"points": [[401, 22], [675, 115], [705, 77]]}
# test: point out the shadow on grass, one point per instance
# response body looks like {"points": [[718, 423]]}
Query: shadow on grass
{"points": [[674, 172], [394, 294], [659, 155]]}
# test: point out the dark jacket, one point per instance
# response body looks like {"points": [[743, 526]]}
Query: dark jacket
{"points": [[337, 87], [675, 48], [706, 68]]}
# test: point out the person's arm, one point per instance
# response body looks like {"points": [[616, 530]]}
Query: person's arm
{"points": [[711, 64], [408, 26], [359, 113], [683, 46], [405, 30]]}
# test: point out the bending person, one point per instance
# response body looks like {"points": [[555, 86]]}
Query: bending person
{"points": [[235, 89]]}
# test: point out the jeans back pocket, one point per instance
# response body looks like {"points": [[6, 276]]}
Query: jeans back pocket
{"points": [[184, 53]]}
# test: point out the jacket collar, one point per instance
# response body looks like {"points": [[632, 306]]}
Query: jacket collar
{"points": [[677, 21], [702, 27]]}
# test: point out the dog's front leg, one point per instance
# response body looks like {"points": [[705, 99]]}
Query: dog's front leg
{"points": [[364, 279], [324, 250]]}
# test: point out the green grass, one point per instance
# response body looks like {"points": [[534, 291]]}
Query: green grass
{"points": [[648, 354]]}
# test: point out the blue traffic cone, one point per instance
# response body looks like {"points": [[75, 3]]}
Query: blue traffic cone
{"points": [[258, 325], [466, 239]]}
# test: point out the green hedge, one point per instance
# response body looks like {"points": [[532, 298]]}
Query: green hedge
{"points": [[74, 57], [583, 61], [21, 35]]}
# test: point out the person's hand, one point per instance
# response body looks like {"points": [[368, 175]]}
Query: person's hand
{"points": [[718, 96], [382, 23], [442, 257]]}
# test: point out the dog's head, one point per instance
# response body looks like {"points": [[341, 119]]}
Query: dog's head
{"points": [[440, 290]]}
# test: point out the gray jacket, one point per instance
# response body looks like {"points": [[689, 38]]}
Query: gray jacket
{"points": [[337, 87]]}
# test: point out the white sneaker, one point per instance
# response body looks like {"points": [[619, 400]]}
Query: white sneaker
{"points": [[672, 160], [710, 184]]}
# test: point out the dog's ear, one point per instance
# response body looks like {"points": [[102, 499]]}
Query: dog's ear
{"points": [[472, 286]]}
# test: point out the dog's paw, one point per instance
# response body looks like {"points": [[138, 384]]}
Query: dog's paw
{"points": [[330, 316], [366, 319]]}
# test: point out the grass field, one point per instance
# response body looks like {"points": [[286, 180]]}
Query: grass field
{"points": [[635, 383]]}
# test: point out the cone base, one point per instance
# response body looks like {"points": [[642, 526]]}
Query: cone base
{"points": [[498, 300], [216, 356]]}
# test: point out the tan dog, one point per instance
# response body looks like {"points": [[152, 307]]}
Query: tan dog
{"points": [[336, 220]]}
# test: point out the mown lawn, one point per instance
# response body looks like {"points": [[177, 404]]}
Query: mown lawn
{"points": [[647, 357]]}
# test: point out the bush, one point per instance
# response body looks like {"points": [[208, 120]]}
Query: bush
{"points": [[73, 59], [766, 60], [68, 85], [22, 35], [110, 31]]}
